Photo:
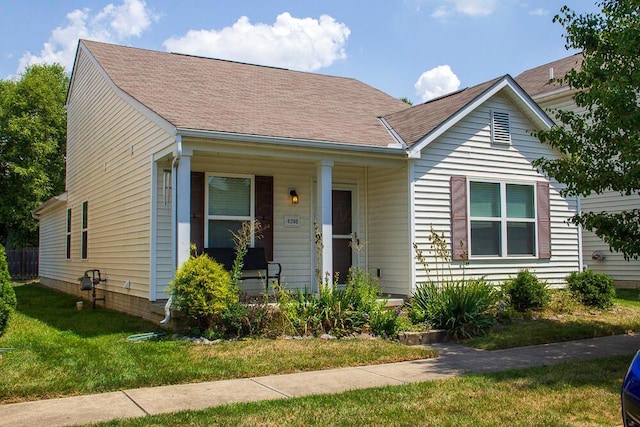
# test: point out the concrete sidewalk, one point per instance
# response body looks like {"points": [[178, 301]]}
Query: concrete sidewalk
{"points": [[453, 360]]}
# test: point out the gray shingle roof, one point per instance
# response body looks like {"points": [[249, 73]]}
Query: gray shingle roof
{"points": [[413, 124], [215, 95], [536, 80]]}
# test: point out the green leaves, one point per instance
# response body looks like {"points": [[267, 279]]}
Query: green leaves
{"points": [[601, 142], [32, 148]]}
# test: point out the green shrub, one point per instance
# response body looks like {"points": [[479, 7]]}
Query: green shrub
{"points": [[526, 292], [339, 312], [8, 301], [5, 314], [385, 322], [592, 289], [203, 291], [462, 308], [6, 290]]}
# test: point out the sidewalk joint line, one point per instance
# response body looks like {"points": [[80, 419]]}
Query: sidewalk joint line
{"points": [[363, 368], [271, 388], [135, 403]]}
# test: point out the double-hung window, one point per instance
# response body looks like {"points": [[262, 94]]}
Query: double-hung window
{"points": [[68, 234], [502, 219], [84, 250], [230, 203]]}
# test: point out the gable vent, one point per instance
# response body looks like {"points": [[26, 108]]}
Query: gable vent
{"points": [[500, 127]]}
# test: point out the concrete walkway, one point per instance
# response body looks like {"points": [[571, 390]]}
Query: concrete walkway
{"points": [[453, 360]]}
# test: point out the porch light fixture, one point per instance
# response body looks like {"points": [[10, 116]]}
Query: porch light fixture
{"points": [[294, 196]]}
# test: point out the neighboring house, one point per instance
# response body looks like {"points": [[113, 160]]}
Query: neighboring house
{"points": [[167, 149], [550, 95]]}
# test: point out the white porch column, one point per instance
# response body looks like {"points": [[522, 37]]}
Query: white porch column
{"points": [[183, 208], [324, 212]]}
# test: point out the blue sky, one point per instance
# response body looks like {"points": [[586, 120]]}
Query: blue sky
{"points": [[408, 48]]}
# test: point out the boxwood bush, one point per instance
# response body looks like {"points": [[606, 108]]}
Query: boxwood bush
{"points": [[203, 291], [591, 288], [526, 292]]}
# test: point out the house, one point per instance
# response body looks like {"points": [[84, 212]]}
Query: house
{"points": [[167, 149], [540, 84]]}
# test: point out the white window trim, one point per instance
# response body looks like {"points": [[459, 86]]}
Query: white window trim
{"points": [[252, 205], [503, 219]]}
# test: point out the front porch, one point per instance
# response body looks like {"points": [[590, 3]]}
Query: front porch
{"points": [[212, 189]]}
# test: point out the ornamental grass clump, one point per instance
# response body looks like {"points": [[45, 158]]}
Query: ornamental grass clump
{"points": [[526, 292], [463, 308], [592, 289], [358, 307]]}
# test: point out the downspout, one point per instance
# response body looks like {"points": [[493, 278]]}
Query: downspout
{"points": [[175, 163], [580, 261], [174, 223]]}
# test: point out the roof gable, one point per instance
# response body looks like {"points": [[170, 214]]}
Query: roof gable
{"points": [[195, 93], [421, 124]]}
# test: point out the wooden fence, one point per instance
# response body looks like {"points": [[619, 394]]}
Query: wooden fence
{"points": [[23, 263]]}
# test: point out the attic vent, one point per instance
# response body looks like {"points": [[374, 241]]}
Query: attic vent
{"points": [[500, 128]]}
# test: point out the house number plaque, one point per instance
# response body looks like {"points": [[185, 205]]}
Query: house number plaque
{"points": [[291, 221]]}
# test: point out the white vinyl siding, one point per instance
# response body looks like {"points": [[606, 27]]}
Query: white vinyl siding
{"points": [[613, 263], [388, 239], [109, 147], [52, 262], [467, 150]]}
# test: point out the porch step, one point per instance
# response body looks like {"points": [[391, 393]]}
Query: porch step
{"points": [[394, 302]]}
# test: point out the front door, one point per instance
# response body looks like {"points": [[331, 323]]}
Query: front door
{"points": [[343, 232]]}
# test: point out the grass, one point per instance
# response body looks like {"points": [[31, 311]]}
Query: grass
{"points": [[60, 351], [565, 325], [570, 394]]}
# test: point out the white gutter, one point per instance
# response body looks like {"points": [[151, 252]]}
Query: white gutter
{"points": [[290, 142], [393, 133]]}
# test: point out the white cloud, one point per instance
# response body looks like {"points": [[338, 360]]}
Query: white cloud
{"points": [[539, 12], [305, 44], [437, 82], [465, 7], [112, 24]]}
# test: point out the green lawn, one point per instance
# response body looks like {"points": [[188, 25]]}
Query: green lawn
{"points": [[59, 351], [556, 325], [570, 394]]}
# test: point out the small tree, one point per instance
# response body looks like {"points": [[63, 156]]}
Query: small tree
{"points": [[33, 129], [601, 143]]}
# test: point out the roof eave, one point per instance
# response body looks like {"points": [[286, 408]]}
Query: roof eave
{"points": [[49, 204], [290, 142]]}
